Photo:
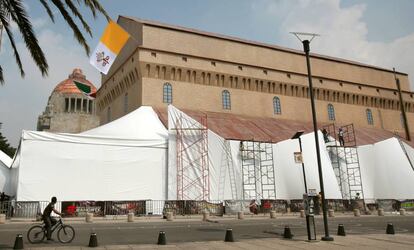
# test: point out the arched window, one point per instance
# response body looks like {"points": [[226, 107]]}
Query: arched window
{"points": [[370, 119], [331, 112], [277, 109], [226, 99], [126, 103], [167, 93], [108, 114]]}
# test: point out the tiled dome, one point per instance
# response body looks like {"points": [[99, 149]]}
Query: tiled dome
{"points": [[68, 86]]}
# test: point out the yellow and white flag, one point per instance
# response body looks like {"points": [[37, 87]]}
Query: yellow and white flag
{"points": [[110, 44]]}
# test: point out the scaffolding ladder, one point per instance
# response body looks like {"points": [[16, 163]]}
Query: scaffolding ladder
{"points": [[227, 164], [345, 161], [257, 170]]}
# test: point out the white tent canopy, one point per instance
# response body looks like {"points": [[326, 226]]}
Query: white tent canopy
{"points": [[386, 171], [122, 160], [5, 162]]}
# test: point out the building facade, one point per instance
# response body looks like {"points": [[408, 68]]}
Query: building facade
{"points": [[68, 109], [196, 70]]}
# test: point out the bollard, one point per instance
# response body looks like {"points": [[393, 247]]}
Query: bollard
{"points": [[18, 243], [287, 234], [402, 211], [302, 213], [331, 213], [341, 230], [229, 235], [93, 240], [380, 212], [205, 215], [89, 217], [2, 218], [162, 240], [390, 228], [130, 217], [240, 215], [169, 216], [357, 213], [272, 214]]}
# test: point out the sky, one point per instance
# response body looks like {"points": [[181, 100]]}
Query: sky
{"points": [[376, 32]]}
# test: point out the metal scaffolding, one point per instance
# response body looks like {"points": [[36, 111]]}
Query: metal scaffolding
{"points": [[345, 161], [193, 180], [257, 170]]}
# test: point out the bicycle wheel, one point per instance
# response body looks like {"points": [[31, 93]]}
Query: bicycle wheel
{"points": [[36, 234], [66, 234]]}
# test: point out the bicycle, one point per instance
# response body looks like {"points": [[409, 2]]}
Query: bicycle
{"points": [[37, 233]]}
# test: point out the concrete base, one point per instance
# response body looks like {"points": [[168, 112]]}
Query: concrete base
{"points": [[169, 216], [331, 213], [272, 214], [130, 217], [380, 212], [302, 213], [2, 218], [402, 211], [206, 214], [240, 215], [357, 213], [89, 217]]}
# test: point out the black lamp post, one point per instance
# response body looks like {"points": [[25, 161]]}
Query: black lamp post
{"points": [[306, 49], [297, 136]]}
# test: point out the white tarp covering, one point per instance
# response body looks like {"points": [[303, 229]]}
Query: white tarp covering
{"points": [[122, 160], [5, 162], [289, 175], [386, 171]]}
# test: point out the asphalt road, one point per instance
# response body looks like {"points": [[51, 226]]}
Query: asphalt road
{"points": [[120, 233]]}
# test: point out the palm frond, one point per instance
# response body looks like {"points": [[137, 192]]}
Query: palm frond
{"points": [[75, 12], [78, 35], [18, 14], [95, 5], [4, 20], [49, 12]]}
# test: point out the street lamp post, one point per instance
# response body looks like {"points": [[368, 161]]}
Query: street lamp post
{"points": [[306, 49], [297, 136]]}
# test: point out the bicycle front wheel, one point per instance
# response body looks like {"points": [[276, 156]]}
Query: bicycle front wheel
{"points": [[36, 234], [66, 234]]}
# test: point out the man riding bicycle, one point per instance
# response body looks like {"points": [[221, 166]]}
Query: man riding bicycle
{"points": [[48, 219]]}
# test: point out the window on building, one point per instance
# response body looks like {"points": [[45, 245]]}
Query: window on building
{"points": [[370, 119], [84, 105], [72, 104], [90, 106], [277, 109], [226, 99], [108, 114], [126, 103], [331, 112], [167, 93]]}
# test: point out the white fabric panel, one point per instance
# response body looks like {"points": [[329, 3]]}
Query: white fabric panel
{"points": [[410, 152], [289, 175], [394, 177], [366, 155], [5, 162], [89, 172]]}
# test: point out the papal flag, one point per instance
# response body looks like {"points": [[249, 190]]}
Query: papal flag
{"points": [[110, 44]]}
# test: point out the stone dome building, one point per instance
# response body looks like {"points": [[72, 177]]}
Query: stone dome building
{"points": [[68, 109]]}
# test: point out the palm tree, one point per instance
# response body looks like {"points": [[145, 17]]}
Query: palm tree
{"points": [[15, 11]]}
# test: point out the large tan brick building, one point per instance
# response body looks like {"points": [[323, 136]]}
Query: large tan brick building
{"points": [[201, 71]]}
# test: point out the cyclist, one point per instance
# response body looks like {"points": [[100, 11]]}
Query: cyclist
{"points": [[48, 219]]}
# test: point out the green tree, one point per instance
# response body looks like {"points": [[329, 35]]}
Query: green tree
{"points": [[15, 11], [5, 146]]}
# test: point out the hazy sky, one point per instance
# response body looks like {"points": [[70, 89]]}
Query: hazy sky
{"points": [[377, 32]]}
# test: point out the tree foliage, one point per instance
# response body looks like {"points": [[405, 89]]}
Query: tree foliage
{"points": [[5, 146], [15, 11]]}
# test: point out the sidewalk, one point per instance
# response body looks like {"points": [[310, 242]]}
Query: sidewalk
{"points": [[375, 241]]}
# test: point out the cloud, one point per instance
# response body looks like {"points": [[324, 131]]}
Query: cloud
{"points": [[22, 100], [343, 32]]}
